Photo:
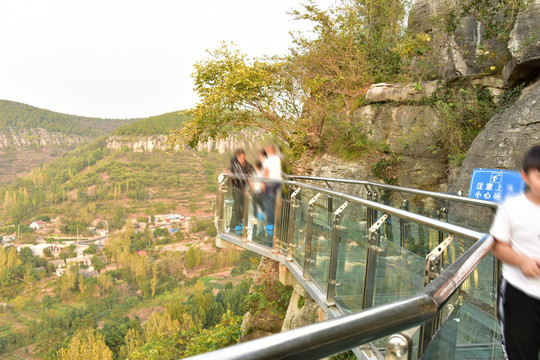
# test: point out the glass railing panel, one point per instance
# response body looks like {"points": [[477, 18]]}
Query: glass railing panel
{"points": [[482, 224], [300, 224], [257, 231], [352, 258], [283, 223], [399, 273], [472, 330], [322, 238], [416, 238], [467, 334]]}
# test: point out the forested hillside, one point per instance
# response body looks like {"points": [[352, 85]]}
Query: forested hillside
{"points": [[15, 117], [148, 301], [94, 180], [154, 125], [30, 136]]}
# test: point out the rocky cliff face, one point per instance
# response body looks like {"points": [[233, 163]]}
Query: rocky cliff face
{"points": [[407, 130], [501, 145], [524, 45], [38, 136], [22, 150], [459, 44], [469, 46], [246, 139]]}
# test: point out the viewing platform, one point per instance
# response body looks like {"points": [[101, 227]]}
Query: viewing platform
{"points": [[396, 271]]}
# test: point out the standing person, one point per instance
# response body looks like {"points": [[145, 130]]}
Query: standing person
{"points": [[516, 230], [257, 187], [243, 169], [272, 175]]}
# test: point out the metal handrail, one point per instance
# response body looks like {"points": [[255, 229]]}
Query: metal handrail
{"points": [[407, 215], [436, 224], [437, 195], [343, 333], [337, 335]]}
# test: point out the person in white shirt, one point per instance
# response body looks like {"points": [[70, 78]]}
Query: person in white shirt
{"points": [[272, 175], [516, 230]]}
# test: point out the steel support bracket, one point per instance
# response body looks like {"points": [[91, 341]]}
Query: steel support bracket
{"points": [[375, 227], [434, 260], [338, 212]]}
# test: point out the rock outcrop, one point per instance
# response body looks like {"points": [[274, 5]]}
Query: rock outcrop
{"points": [[257, 322], [524, 45], [39, 137], [245, 139], [502, 143], [459, 44], [401, 92], [505, 137], [302, 310]]}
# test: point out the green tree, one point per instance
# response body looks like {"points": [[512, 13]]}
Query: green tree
{"points": [[193, 257], [300, 96], [105, 282], [86, 345], [154, 280], [224, 334]]}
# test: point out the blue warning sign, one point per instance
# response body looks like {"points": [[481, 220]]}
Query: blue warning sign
{"points": [[495, 185]]}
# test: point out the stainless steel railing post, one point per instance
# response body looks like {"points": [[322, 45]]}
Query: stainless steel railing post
{"points": [[309, 237], [278, 222], [334, 256], [403, 228], [373, 250], [293, 204], [220, 204]]}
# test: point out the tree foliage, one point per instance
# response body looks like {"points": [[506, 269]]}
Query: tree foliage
{"points": [[300, 96], [86, 345]]}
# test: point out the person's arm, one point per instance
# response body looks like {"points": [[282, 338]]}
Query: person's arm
{"points": [[503, 251]]}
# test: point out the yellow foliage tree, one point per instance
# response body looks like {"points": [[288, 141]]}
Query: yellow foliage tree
{"points": [[86, 345]]}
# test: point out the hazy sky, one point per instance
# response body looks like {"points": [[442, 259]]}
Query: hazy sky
{"points": [[127, 58]]}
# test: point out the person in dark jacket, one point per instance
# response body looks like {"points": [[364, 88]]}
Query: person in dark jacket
{"points": [[243, 169]]}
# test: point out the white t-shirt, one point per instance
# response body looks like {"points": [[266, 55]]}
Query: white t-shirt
{"points": [[258, 178], [273, 164], [518, 223]]}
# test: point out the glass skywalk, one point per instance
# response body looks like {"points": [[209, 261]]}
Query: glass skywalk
{"points": [[375, 245]]}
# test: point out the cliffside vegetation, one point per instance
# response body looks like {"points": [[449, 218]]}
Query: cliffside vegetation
{"points": [[309, 94], [308, 97]]}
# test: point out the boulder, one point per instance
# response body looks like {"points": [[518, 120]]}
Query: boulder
{"points": [[302, 311], [524, 45], [409, 131], [502, 144], [401, 92]]}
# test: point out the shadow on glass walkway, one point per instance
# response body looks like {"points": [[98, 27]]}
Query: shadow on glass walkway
{"points": [[398, 274]]}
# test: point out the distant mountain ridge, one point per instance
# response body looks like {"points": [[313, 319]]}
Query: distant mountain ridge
{"points": [[30, 136], [17, 118]]}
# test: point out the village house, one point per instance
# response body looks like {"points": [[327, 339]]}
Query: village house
{"points": [[81, 261], [8, 238], [36, 225]]}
